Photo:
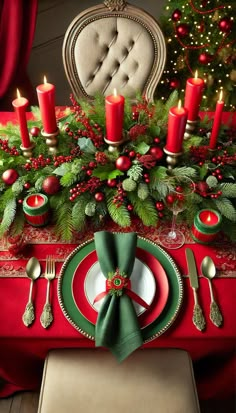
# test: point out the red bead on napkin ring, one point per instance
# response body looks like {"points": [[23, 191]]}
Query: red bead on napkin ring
{"points": [[117, 284]]}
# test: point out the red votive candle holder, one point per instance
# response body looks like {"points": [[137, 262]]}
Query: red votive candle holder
{"points": [[36, 209], [206, 226]]}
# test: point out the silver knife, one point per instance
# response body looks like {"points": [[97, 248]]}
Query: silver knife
{"points": [[198, 317]]}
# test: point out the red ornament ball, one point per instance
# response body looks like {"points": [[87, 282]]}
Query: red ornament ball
{"points": [[156, 152], [99, 196], [183, 30], [205, 58], [176, 15], [123, 163], [9, 176], [51, 185], [174, 83], [170, 199], [35, 131], [225, 24], [111, 183]]}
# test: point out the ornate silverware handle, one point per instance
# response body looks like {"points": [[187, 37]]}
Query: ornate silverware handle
{"points": [[47, 317], [215, 313], [198, 317], [28, 316]]}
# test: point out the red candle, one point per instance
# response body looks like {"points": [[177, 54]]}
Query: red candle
{"points": [[20, 104], [114, 117], [193, 96], [35, 201], [36, 209], [46, 98], [206, 226], [176, 127], [217, 122]]}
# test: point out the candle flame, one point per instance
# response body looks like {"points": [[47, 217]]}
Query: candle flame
{"points": [[208, 218], [179, 104], [221, 95], [36, 200], [45, 79], [115, 92], [196, 75], [18, 93]]}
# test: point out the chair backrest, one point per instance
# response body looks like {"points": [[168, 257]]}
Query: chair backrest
{"points": [[114, 45]]}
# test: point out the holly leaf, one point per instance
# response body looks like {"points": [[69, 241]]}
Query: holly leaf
{"points": [[106, 172], [142, 148], [62, 169], [155, 130], [86, 145]]}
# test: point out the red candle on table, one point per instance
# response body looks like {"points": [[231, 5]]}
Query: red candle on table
{"points": [[46, 98], [114, 117], [20, 104], [193, 96], [36, 209], [176, 128], [206, 226], [217, 122]]}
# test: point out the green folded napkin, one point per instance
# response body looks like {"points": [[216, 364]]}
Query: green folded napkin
{"points": [[117, 326]]}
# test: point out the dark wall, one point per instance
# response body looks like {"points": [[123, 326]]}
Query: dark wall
{"points": [[54, 16]]}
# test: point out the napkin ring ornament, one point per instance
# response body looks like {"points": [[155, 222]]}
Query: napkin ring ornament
{"points": [[116, 282]]}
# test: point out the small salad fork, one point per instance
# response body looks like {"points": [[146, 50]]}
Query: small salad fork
{"points": [[50, 273]]}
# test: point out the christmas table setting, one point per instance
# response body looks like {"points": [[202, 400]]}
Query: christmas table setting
{"points": [[93, 185]]}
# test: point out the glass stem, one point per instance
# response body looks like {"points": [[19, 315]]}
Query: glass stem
{"points": [[172, 233]]}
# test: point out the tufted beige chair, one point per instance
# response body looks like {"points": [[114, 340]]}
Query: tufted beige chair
{"points": [[114, 45]]}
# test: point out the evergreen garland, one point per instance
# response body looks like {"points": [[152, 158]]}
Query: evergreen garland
{"points": [[93, 188]]}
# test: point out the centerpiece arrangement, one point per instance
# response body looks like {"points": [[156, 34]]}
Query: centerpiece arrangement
{"points": [[86, 178]]}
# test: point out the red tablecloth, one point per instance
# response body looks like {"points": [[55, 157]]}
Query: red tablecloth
{"points": [[23, 350]]}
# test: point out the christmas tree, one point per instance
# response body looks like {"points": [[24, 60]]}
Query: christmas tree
{"points": [[201, 35]]}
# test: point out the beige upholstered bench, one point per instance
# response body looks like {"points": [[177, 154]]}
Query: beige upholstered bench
{"points": [[91, 380]]}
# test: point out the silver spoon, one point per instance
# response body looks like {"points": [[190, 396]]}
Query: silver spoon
{"points": [[33, 271], [209, 271]]}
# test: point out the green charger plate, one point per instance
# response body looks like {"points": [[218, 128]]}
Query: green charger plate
{"points": [[151, 331]]}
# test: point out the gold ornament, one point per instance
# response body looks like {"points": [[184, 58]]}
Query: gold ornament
{"points": [[215, 16], [180, 64]]}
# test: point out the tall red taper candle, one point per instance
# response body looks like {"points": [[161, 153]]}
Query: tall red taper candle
{"points": [[193, 96], [216, 122], [176, 127], [46, 98], [20, 104], [114, 117]]}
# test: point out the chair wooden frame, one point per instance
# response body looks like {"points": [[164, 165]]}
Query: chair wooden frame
{"points": [[113, 8]]}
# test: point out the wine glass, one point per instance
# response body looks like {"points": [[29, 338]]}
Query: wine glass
{"points": [[183, 187]]}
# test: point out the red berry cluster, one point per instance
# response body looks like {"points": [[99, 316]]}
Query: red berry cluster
{"points": [[101, 158], [58, 160], [91, 185], [203, 189], [224, 159], [5, 147], [88, 130], [37, 163], [142, 107], [119, 198], [160, 207]]}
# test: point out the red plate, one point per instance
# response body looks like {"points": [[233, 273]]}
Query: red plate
{"points": [[145, 318]]}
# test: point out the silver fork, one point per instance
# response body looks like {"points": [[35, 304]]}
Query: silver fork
{"points": [[50, 273]]}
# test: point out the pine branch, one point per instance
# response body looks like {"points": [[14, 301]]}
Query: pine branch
{"points": [[120, 214], [228, 190], [64, 225], [78, 213], [8, 216], [145, 210], [18, 224], [226, 208]]}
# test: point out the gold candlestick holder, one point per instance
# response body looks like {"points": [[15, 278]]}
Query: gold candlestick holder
{"points": [[51, 141], [27, 152], [114, 145], [172, 158], [190, 128]]}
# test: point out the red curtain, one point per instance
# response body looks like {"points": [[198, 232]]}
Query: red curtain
{"points": [[17, 27]]}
